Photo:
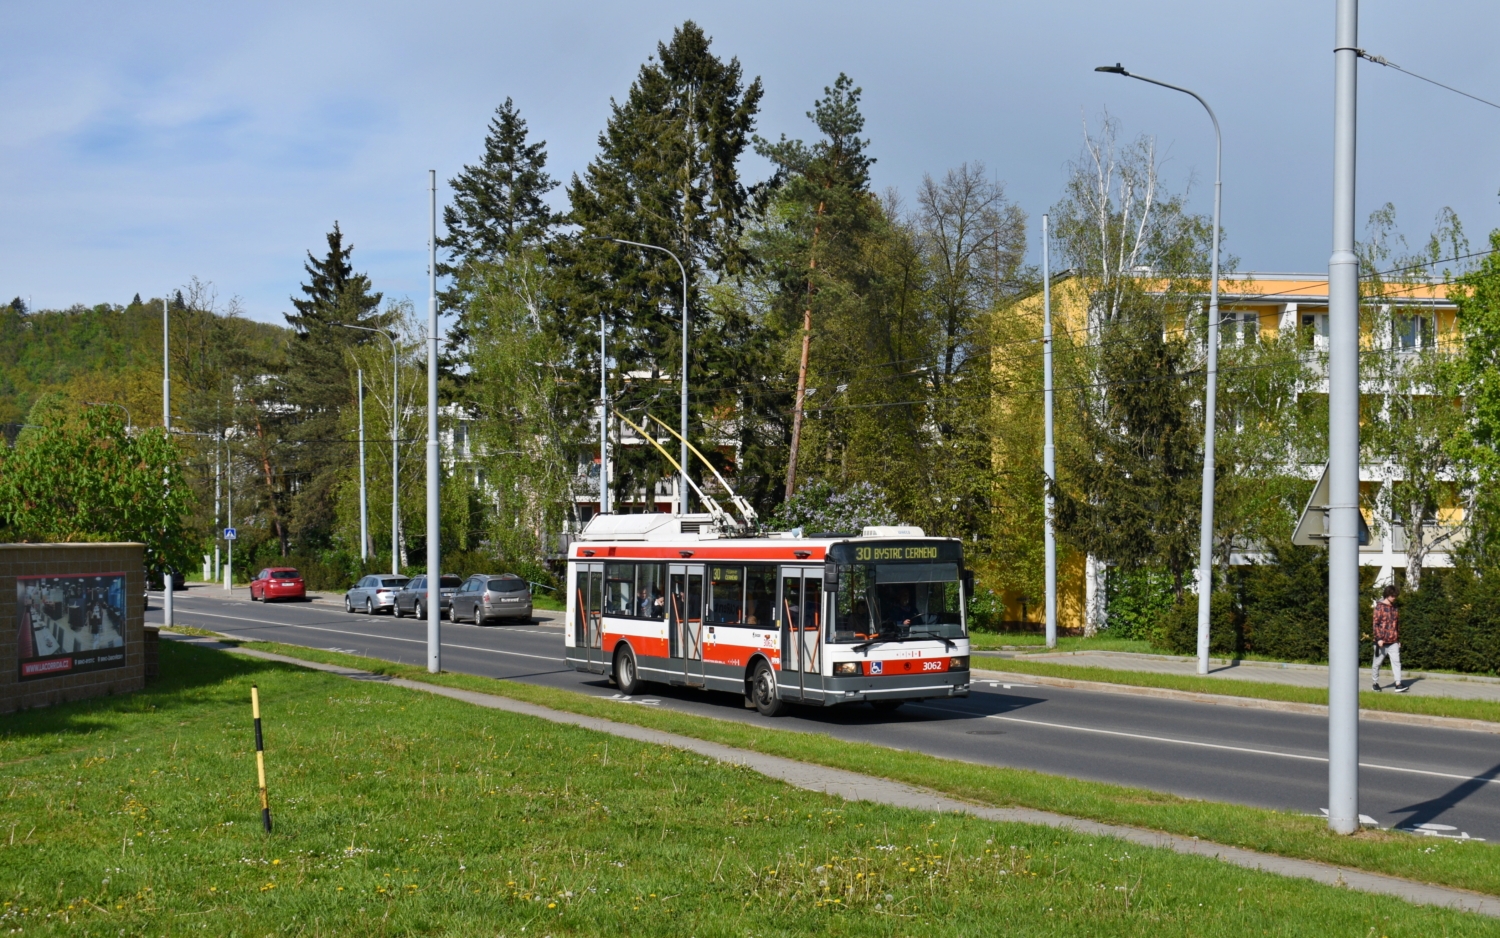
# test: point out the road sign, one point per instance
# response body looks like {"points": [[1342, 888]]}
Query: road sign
{"points": [[230, 534], [1312, 527]]}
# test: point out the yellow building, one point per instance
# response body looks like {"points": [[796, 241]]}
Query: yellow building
{"points": [[1255, 306]]}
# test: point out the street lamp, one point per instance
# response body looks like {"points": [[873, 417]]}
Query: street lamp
{"points": [[395, 457], [1211, 393], [682, 489], [113, 404]]}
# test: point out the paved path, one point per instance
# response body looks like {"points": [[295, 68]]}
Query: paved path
{"points": [[852, 786], [1437, 780], [1423, 683]]}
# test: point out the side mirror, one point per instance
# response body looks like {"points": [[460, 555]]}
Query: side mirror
{"points": [[830, 578], [968, 581]]}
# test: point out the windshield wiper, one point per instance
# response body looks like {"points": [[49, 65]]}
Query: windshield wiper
{"points": [[882, 637], [947, 642]]}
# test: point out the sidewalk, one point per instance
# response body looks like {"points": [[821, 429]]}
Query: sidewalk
{"points": [[1422, 683], [855, 787]]}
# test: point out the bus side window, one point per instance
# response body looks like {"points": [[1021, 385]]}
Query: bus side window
{"points": [[728, 594], [619, 589], [650, 591], [760, 596]]}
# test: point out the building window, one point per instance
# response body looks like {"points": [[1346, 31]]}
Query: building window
{"points": [[1239, 327], [1413, 331]]}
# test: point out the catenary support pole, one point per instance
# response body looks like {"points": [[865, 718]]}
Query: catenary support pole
{"points": [[166, 423], [364, 499], [434, 502], [1343, 440], [395, 439], [228, 518], [1211, 390], [218, 459], [603, 424], [1049, 452]]}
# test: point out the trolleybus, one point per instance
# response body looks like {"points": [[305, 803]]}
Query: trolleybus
{"points": [[820, 619]]}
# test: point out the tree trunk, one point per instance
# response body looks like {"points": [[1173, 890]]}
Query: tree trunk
{"points": [[1416, 546], [812, 264]]}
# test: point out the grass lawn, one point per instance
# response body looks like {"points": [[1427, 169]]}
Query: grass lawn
{"points": [[402, 813], [1465, 864], [1036, 641], [1368, 700]]}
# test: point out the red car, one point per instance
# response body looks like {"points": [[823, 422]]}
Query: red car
{"points": [[277, 583]]}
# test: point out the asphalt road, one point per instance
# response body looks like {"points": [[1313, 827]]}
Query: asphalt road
{"points": [[1446, 782]]}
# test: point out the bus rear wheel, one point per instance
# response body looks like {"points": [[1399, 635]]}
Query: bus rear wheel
{"points": [[627, 678], [763, 692]]}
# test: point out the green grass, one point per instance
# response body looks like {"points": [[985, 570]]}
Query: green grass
{"points": [[403, 813], [1467, 865], [1368, 700], [1036, 641]]}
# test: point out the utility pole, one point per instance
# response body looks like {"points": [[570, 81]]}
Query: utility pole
{"points": [[395, 450], [1343, 440], [1049, 452], [218, 533], [603, 425], [166, 424], [228, 519], [364, 501], [434, 502]]}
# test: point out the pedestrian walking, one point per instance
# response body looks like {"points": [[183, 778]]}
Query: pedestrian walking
{"points": [[1387, 631]]}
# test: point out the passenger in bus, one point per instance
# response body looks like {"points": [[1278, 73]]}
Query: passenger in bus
{"points": [[658, 603], [904, 611]]}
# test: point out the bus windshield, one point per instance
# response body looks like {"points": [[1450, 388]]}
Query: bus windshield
{"points": [[893, 602]]}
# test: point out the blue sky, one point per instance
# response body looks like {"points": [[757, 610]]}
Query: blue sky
{"points": [[147, 143]]}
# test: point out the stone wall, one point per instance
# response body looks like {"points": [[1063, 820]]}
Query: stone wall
{"points": [[51, 677]]}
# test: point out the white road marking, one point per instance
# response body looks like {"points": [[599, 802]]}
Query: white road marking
{"points": [[1219, 746], [365, 635]]}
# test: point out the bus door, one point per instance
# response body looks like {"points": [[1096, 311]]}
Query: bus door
{"points": [[685, 622], [588, 628], [801, 629]]}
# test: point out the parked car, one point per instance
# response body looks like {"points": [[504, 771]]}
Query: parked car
{"points": [[413, 596], [155, 580], [277, 583], [485, 596], [374, 593]]}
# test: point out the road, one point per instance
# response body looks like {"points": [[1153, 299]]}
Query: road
{"points": [[1445, 782]]}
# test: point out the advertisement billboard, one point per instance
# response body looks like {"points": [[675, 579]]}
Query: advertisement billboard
{"points": [[70, 623]]}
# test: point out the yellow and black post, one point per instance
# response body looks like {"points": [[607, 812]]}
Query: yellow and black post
{"points": [[260, 759]]}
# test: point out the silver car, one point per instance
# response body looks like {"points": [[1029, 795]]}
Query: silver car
{"points": [[412, 598], [374, 593], [485, 596]]}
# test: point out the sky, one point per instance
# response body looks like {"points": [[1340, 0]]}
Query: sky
{"points": [[148, 143]]}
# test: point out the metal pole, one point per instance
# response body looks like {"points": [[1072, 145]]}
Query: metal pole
{"points": [[395, 462], [364, 501], [603, 425], [166, 423], [1343, 441], [228, 519], [682, 488], [218, 445], [1049, 452], [434, 506], [1211, 391]]}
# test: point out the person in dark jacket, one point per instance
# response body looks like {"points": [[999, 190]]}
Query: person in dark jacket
{"points": [[1387, 633]]}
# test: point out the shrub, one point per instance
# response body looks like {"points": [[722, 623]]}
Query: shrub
{"points": [[1137, 600], [1176, 629]]}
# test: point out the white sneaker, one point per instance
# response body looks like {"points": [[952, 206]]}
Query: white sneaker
{"points": [[1399, 688]]}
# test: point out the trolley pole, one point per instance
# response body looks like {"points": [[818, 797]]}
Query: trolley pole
{"points": [[1049, 452], [1343, 440]]}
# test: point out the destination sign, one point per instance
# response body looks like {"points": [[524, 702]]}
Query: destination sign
{"points": [[925, 551]]}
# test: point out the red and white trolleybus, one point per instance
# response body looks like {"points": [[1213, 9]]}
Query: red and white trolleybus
{"points": [[818, 619]]}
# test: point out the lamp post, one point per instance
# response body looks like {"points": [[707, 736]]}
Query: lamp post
{"points": [[364, 501], [682, 488], [166, 425], [1343, 440], [114, 404], [1049, 452], [1211, 392], [603, 425], [434, 506], [395, 454]]}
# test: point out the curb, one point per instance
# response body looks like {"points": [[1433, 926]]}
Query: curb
{"points": [[1228, 662], [1254, 703], [852, 786]]}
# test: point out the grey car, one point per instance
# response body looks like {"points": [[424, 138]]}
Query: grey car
{"points": [[412, 598], [485, 596], [374, 593]]}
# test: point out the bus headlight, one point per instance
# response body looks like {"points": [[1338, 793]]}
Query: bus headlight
{"points": [[846, 667], [958, 663]]}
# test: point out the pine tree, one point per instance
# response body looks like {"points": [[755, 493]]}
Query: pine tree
{"points": [[316, 384], [667, 175], [499, 208], [136, 301]]}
